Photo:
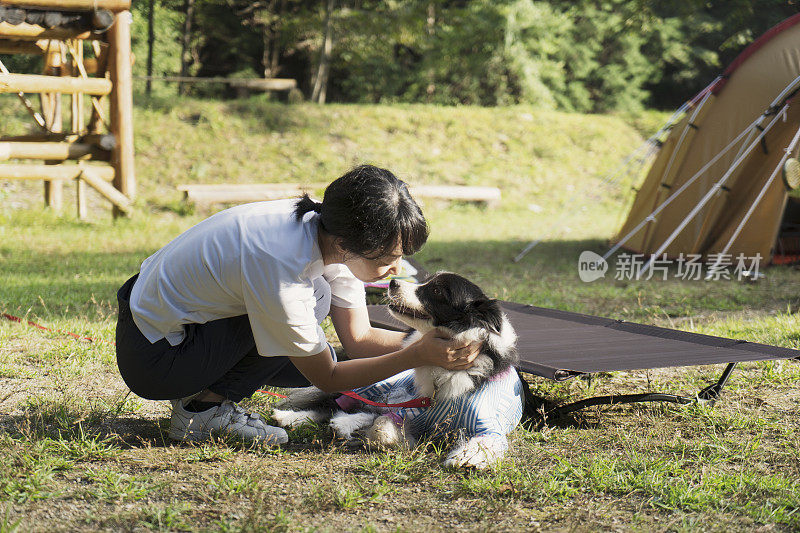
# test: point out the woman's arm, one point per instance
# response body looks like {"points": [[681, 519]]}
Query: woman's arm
{"points": [[359, 339], [326, 374]]}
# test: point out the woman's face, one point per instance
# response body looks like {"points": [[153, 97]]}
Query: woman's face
{"points": [[369, 270]]}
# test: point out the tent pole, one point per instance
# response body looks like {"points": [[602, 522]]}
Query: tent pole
{"points": [[709, 216], [684, 133], [673, 156], [704, 200], [789, 149]]}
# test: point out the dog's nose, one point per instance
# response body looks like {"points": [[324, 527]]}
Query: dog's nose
{"points": [[394, 284]]}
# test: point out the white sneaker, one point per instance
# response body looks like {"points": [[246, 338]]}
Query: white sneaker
{"points": [[225, 419]]}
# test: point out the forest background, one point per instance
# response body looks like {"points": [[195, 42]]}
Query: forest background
{"points": [[570, 55]]}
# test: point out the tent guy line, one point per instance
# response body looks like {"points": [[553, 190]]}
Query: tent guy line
{"points": [[712, 191], [652, 216]]}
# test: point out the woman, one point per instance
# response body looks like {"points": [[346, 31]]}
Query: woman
{"points": [[235, 303]]}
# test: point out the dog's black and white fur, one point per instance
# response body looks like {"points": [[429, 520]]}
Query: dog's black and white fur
{"points": [[458, 308]]}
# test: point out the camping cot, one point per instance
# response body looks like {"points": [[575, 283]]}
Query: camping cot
{"points": [[560, 345]]}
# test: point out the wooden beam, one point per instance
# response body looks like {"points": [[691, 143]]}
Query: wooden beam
{"points": [[73, 5], [121, 202], [32, 32], [10, 171], [21, 47], [121, 115], [35, 83], [60, 151], [101, 140]]}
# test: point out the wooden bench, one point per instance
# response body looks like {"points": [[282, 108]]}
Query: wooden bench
{"points": [[204, 194]]}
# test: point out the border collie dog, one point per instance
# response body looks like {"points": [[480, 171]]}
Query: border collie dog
{"points": [[478, 406]]}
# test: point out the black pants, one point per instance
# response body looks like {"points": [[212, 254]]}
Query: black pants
{"points": [[219, 355]]}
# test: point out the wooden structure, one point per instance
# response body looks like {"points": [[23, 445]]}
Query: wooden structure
{"points": [[86, 48], [255, 192]]}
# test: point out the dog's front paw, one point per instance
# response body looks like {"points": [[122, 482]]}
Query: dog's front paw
{"points": [[345, 424], [477, 452], [384, 433], [292, 419]]}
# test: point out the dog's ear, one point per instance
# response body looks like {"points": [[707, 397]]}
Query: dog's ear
{"points": [[488, 311]]}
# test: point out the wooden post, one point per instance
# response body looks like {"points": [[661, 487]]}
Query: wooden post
{"points": [[77, 98], [53, 190], [80, 199], [97, 119], [122, 106]]}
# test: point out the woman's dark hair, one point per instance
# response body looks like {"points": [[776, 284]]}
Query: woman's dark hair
{"points": [[370, 210]]}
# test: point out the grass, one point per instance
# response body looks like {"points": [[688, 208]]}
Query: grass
{"points": [[78, 453]]}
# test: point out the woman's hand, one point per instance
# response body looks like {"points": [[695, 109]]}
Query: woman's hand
{"points": [[437, 349]]}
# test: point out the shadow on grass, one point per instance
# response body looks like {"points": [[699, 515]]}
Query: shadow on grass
{"points": [[65, 285]]}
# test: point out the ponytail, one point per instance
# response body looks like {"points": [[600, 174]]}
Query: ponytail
{"points": [[304, 205]]}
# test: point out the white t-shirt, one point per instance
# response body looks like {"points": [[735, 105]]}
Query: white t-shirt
{"points": [[254, 259]]}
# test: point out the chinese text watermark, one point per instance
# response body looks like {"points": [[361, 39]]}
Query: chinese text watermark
{"points": [[717, 266]]}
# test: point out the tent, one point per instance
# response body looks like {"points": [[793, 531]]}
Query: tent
{"points": [[716, 186]]}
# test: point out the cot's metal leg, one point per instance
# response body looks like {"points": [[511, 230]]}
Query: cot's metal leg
{"points": [[713, 391], [709, 395]]}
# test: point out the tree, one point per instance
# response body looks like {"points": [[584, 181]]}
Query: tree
{"points": [[186, 42], [321, 79]]}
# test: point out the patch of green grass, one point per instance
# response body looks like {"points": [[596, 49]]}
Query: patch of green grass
{"points": [[15, 372], [27, 469], [115, 487], [165, 518], [235, 481], [400, 466], [671, 483], [209, 453], [349, 497], [64, 417]]}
